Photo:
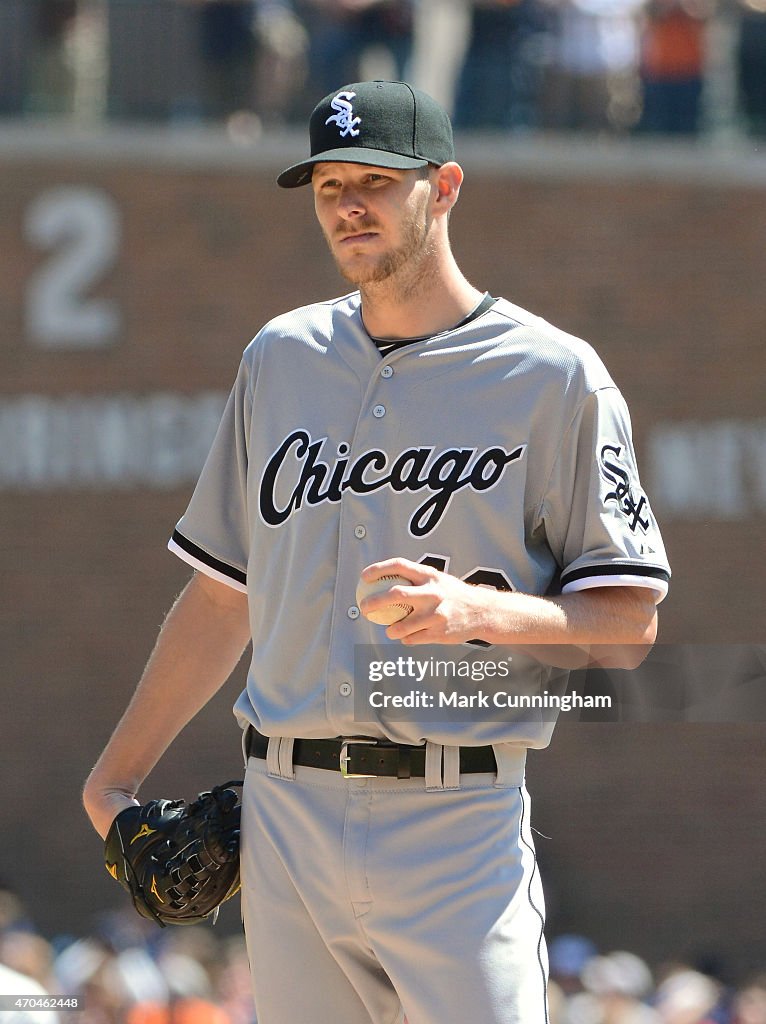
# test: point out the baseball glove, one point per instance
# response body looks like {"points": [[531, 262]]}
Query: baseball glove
{"points": [[178, 861]]}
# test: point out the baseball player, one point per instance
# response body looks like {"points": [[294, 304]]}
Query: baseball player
{"points": [[421, 428]]}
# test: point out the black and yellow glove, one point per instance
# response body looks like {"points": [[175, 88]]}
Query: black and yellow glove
{"points": [[178, 861]]}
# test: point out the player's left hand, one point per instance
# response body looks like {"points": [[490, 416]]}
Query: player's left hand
{"points": [[445, 610]]}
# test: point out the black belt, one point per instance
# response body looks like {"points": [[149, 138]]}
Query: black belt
{"points": [[359, 758]]}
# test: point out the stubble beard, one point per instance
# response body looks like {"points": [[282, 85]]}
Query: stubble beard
{"points": [[399, 271]]}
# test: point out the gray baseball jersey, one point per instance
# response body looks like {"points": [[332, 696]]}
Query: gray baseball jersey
{"points": [[499, 451]]}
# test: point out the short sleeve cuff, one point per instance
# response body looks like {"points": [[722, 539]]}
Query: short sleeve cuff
{"points": [[202, 560], [623, 575]]}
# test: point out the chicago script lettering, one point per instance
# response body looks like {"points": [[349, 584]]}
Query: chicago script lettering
{"points": [[297, 465]]}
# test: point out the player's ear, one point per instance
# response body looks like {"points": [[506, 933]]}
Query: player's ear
{"points": [[448, 178]]}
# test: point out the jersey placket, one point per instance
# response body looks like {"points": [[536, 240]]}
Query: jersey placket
{"points": [[358, 516]]}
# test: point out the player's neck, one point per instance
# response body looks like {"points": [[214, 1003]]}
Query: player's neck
{"points": [[402, 308]]}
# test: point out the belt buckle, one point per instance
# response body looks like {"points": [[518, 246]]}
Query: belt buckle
{"points": [[345, 758]]}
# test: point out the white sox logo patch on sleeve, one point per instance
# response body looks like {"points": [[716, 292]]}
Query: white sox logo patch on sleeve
{"points": [[627, 496], [344, 116], [297, 464]]}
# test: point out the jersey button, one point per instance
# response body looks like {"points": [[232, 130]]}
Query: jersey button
{"points": [[345, 689], [379, 411], [353, 612], [360, 532], [387, 371]]}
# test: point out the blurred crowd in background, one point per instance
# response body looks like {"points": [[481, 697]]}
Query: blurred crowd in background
{"points": [[670, 67], [131, 972]]}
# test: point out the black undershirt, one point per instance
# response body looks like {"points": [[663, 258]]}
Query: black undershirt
{"points": [[385, 345]]}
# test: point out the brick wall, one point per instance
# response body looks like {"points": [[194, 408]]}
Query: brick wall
{"points": [[656, 831]]}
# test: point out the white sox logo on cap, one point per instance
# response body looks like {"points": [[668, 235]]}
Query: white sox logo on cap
{"points": [[401, 127], [344, 116]]}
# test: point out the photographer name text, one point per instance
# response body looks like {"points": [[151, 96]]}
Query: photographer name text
{"points": [[454, 699]]}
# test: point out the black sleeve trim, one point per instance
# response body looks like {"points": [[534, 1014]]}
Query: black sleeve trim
{"points": [[616, 569], [204, 556]]}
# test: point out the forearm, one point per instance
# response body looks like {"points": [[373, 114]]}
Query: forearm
{"points": [[611, 626], [200, 643], [599, 615]]}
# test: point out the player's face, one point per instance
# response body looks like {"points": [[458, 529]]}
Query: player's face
{"points": [[376, 220]]}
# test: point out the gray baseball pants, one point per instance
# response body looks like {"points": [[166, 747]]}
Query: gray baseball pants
{"points": [[368, 899]]}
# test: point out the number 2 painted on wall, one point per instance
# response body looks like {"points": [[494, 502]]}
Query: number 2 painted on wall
{"points": [[81, 227]]}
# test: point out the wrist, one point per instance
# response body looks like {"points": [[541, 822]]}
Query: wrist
{"points": [[517, 618], [103, 803], [499, 617]]}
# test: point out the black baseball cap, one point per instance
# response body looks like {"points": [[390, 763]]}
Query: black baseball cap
{"points": [[386, 124]]}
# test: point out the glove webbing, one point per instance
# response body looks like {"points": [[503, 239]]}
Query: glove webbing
{"points": [[146, 903]]}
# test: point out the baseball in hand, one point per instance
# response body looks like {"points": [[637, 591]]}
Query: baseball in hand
{"points": [[391, 612]]}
